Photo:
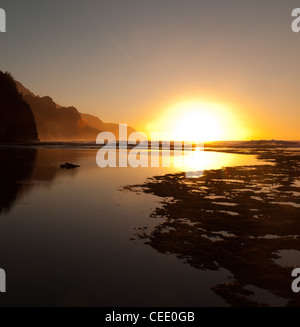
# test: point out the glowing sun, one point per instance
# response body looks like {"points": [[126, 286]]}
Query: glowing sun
{"points": [[200, 121]]}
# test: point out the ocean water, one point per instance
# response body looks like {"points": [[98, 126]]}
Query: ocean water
{"points": [[66, 235]]}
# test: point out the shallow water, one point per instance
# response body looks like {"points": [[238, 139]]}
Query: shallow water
{"points": [[65, 234]]}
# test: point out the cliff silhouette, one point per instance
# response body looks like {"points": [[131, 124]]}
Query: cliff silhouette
{"points": [[97, 123], [58, 123], [17, 121]]}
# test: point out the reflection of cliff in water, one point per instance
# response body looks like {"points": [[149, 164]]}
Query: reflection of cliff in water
{"points": [[237, 218], [15, 167], [22, 169]]}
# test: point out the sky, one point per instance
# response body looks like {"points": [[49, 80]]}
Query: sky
{"points": [[150, 63]]}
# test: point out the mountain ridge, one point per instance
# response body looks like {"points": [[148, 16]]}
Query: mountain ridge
{"points": [[56, 123]]}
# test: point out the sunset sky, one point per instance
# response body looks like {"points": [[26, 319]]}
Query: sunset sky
{"points": [[153, 63]]}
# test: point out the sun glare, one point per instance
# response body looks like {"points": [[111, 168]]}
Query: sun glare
{"points": [[200, 121], [198, 125]]}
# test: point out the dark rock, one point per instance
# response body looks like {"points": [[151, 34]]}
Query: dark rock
{"points": [[68, 165]]}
